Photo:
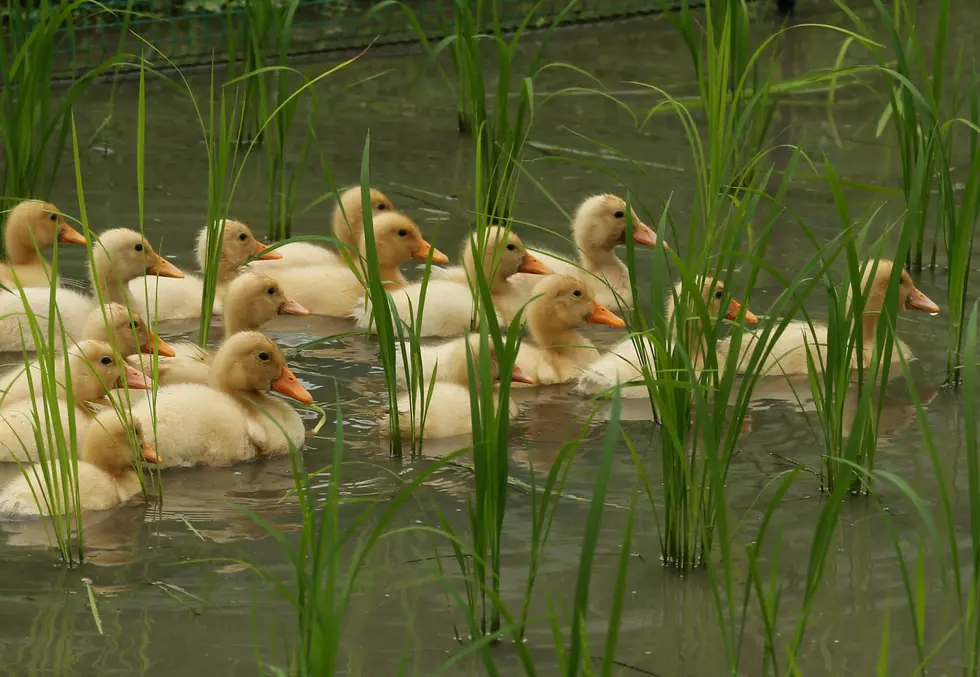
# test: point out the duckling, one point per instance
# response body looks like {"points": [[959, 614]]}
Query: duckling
{"points": [[94, 370], [448, 412], [174, 299], [335, 291], [119, 256], [106, 474], [623, 365], [598, 228], [789, 352], [31, 226], [113, 324], [448, 361], [561, 304], [448, 307], [235, 418], [347, 229]]}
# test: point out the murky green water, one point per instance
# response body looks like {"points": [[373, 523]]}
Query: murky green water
{"points": [[171, 595]]}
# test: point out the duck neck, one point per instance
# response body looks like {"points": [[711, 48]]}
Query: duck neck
{"points": [[697, 344], [20, 245], [600, 260], [238, 317], [391, 276], [554, 337], [110, 286]]}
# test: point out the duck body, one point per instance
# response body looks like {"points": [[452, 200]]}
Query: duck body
{"points": [[619, 366], [98, 489], [331, 290], [448, 308], [448, 413], [18, 443], [15, 329], [196, 425]]}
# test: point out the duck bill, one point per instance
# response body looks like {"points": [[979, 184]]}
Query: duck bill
{"points": [[602, 315], [290, 307], [163, 268], [919, 301], [137, 380], [733, 309], [520, 376], [422, 253], [162, 347], [264, 254], [534, 266], [644, 235], [69, 235], [149, 454], [287, 384]]}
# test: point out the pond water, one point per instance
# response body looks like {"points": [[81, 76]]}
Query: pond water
{"points": [[171, 590]]}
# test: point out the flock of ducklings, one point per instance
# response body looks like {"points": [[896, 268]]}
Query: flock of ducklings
{"points": [[214, 407]]}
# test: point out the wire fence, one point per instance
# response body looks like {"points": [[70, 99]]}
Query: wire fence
{"points": [[194, 32]]}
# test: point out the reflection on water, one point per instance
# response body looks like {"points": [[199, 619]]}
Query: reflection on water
{"points": [[170, 582]]}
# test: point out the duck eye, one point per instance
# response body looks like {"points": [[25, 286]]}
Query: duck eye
{"points": [[242, 237], [382, 206], [53, 217], [139, 247], [577, 293], [134, 325], [270, 291], [106, 360], [264, 356], [511, 247], [619, 214], [402, 233], [719, 294]]}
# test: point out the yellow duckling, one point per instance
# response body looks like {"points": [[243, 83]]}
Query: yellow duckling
{"points": [[94, 370], [622, 364], [119, 256], [789, 352], [191, 364], [347, 229], [106, 473], [174, 299], [559, 353], [448, 361], [335, 291], [598, 228], [235, 419], [31, 226], [448, 307]]}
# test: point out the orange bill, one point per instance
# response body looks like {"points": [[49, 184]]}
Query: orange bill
{"points": [[137, 380], [422, 253], [164, 268], [154, 341], [69, 235], [149, 454], [287, 384], [264, 255], [733, 309], [520, 376], [290, 307], [534, 266], [919, 301], [644, 235], [602, 315]]}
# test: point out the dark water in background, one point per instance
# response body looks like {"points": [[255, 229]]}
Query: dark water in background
{"points": [[173, 601]]}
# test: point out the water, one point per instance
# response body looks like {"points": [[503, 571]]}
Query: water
{"points": [[170, 580]]}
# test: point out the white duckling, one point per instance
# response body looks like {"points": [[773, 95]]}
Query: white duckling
{"points": [[191, 364], [94, 370], [235, 419], [174, 299], [119, 256], [448, 307], [106, 473], [447, 361], [113, 324], [348, 228], [598, 228], [335, 291], [31, 226], [789, 352], [623, 364], [559, 353]]}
